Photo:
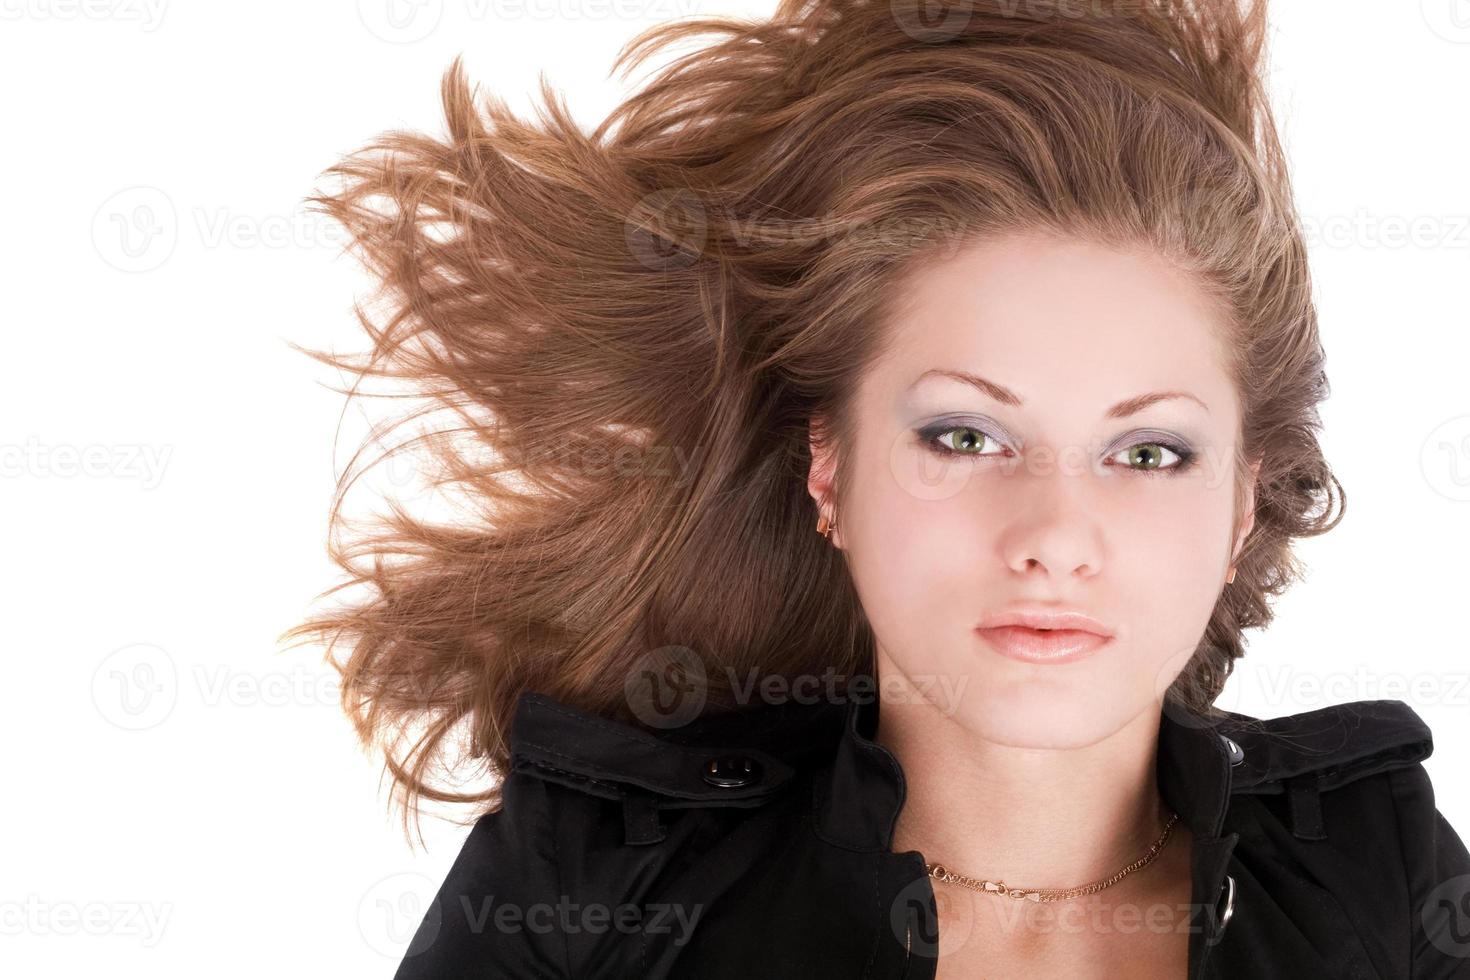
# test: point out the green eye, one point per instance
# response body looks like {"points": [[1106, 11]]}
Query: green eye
{"points": [[1146, 455], [1149, 456], [965, 440]]}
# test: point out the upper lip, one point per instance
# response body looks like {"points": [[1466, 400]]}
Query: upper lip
{"points": [[1042, 618]]}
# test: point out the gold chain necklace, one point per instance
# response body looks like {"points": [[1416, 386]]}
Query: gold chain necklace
{"points": [[940, 873]]}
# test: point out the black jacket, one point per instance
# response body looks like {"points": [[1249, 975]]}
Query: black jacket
{"points": [[756, 845]]}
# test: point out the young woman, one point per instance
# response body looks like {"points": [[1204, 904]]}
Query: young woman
{"points": [[1012, 304]]}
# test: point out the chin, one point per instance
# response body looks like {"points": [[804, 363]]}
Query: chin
{"points": [[1048, 715]]}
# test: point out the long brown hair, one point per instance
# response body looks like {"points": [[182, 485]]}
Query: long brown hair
{"points": [[632, 329]]}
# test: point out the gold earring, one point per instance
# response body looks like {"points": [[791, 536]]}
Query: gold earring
{"points": [[826, 527], [1230, 577]]}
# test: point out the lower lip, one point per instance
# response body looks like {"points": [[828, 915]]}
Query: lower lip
{"points": [[1042, 646]]}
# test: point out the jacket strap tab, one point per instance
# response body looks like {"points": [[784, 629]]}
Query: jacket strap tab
{"points": [[1303, 794], [640, 820]]}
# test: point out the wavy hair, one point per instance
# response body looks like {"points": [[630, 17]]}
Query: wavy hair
{"points": [[632, 330]]}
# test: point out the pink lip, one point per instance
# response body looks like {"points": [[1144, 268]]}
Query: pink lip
{"points": [[1044, 618], [1057, 646], [1039, 634]]}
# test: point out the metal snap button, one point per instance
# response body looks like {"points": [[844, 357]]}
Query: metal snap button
{"points": [[1224, 917], [731, 772], [1237, 754]]}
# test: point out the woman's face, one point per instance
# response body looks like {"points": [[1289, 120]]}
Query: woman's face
{"points": [[1054, 478]]}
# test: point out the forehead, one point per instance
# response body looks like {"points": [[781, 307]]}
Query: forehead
{"points": [[1042, 313]]}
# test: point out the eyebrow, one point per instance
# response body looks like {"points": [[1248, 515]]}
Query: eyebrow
{"points": [[1004, 395]]}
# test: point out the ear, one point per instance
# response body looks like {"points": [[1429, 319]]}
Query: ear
{"points": [[1248, 515], [821, 478]]}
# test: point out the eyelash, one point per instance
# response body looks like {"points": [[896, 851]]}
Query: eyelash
{"points": [[929, 436]]}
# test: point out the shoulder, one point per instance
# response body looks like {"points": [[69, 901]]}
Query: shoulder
{"points": [[1342, 793], [1365, 757], [570, 867], [738, 759], [497, 903], [1326, 747]]}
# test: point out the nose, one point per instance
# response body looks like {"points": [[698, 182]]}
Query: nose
{"points": [[1054, 563], [1055, 533]]}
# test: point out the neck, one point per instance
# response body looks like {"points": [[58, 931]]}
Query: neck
{"points": [[1031, 817]]}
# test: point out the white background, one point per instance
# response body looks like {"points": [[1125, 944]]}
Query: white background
{"points": [[182, 798]]}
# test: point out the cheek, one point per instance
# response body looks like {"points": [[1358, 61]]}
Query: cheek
{"points": [[919, 561], [1166, 561], [1174, 532], [906, 545]]}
